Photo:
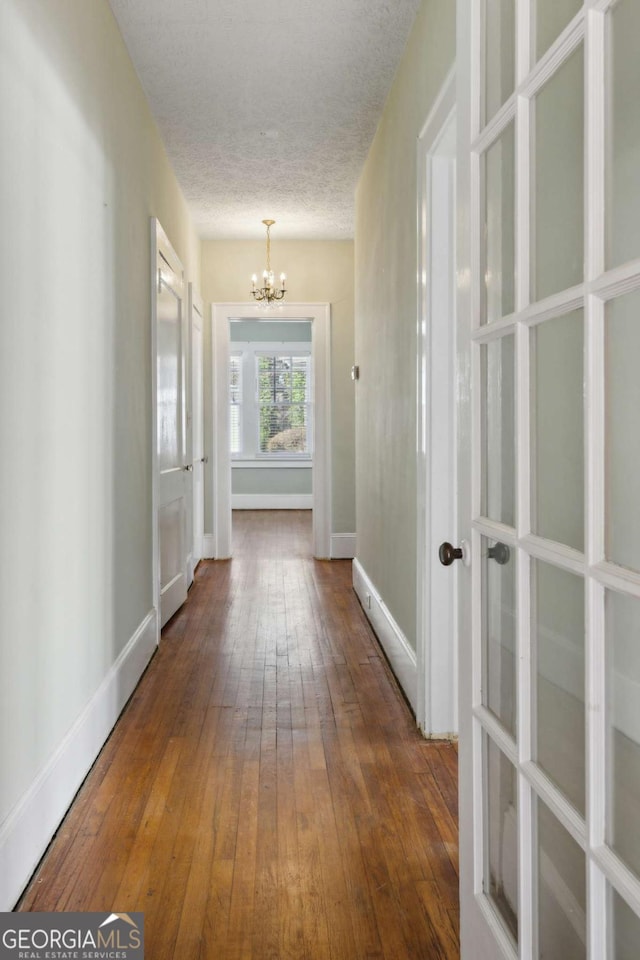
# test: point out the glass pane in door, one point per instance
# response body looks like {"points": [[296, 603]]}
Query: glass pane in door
{"points": [[498, 436], [499, 227], [558, 181], [562, 893], [500, 882], [499, 632], [625, 935], [622, 403], [558, 638], [552, 16], [557, 377], [500, 60], [622, 615], [623, 172]]}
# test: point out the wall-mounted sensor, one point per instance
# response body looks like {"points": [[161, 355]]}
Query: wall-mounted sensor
{"points": [[355, 373]]}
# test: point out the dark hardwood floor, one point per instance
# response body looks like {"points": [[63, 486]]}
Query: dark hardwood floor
{"points": [[266, 794]]}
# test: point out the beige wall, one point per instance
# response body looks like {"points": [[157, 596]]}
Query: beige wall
{"points": [[386, 318], [317, 271], [82, 169]]}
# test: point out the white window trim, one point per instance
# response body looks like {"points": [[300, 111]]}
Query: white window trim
{"points": [[255, 463], [250, 351]]}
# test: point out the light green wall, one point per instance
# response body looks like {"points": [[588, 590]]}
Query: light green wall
{"points": [[386, 318], [263, 480], [269, 331], [317, 272], [82, 169]]}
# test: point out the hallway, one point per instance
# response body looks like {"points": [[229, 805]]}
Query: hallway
{"points": [[266, 794]]}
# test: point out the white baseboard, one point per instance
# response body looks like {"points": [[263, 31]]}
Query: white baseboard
{"points": [[272, 501], [343, 546], [27, 831], [394, 643]]}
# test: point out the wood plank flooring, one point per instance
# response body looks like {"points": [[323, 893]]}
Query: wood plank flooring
{"points": [[265, 795]]}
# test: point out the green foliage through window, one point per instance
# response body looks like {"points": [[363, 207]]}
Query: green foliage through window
{"points": [[270, 402], [284, 388]]}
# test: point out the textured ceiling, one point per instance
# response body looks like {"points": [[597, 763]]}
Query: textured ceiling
{"points": [[267, 107]]}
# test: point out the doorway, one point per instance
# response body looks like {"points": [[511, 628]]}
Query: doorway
{"points": [[270, 415], [318, 317]]}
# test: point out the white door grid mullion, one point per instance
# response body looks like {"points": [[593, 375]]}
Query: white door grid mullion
{"points": [[613, 577], [596, 666], [618, 875], [616, 282], [554, 58], [493, 530], [555, 553], [554, 798], [605, 868], [527, 822], [496, 127], [491, 725]]}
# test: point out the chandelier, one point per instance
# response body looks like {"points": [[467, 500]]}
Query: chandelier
{"points": [[268, 291]]}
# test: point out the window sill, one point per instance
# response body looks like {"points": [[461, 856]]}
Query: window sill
{"points": [[253, 463]]}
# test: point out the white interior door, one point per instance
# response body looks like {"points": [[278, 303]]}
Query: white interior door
{"points": [[172, 469], [437, 694], [548, 394], [197, 421]]}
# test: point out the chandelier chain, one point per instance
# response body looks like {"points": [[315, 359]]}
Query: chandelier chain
{"points": [[268, 249]]}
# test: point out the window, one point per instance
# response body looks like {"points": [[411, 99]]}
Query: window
{"points": [[270, 402], [284, 384]]}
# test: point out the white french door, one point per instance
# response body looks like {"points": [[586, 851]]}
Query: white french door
{"points": [[549, 394], [170, 466]]}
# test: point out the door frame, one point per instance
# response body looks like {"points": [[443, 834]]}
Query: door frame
{"points": [[195, 307], [155, 235], [320, 316], [160, 244], [480, 930], [436, 615]]}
